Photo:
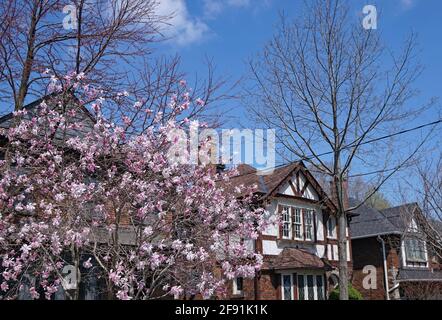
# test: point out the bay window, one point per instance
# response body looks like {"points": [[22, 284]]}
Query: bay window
{"points": [[306, 287]]}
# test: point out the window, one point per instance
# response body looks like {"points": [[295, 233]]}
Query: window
{"points": [[308, 220], [310, 287], [301, 286], [286, 223], [320, 287], [238, 285], [415, 252], [297, 224], [287, 287], [331, 227]]}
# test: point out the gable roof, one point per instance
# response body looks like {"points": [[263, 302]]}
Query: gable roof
{"points": [[399, 215], [371, 222], [84, 116], [269, 181]]}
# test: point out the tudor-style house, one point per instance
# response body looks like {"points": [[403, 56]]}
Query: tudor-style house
{"points": [[300, 253], [391, 257]]}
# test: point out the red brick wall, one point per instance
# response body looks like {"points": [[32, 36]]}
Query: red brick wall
{"points": [[368, 252]]}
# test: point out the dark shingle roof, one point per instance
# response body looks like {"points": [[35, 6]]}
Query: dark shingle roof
{"points": [[399, 215], [369, 222], [419, 275]]}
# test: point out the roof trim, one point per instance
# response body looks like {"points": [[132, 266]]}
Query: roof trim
{"points": [[377, 234]]}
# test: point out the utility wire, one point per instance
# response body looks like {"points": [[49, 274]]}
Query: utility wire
{"points": [[311, 157]]}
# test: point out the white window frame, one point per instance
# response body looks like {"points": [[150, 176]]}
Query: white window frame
{"points": [[292, 291], [315, 285], [414, 263], [286, 222], [300, 223], [310, 212], [331, 221]]}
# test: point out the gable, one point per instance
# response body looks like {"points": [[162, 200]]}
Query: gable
{"points": [[81, 117], [298, 185]]}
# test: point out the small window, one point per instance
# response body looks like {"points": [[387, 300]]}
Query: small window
{"points": [[238, 285], [286, 223], [308, 224], [331, 227]]}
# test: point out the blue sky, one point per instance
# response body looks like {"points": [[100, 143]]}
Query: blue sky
{"points": [[231, 31]]}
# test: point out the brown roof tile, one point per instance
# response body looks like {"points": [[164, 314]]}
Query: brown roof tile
{"points": [[292, 258]]}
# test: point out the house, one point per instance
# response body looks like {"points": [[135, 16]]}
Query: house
{"points": [[300, 256], [391, 257]]}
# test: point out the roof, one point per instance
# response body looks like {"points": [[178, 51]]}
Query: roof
{"points": [[419, 275], [265, 182], [371, 222], [292, 258], [268, 181], [84, 116], [400, 214]]}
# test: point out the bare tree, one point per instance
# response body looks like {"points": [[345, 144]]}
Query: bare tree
{"points": [[98, 38], [323, 84], [109, 43]]}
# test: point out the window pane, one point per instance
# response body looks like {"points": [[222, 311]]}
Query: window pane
{"points": [[297, 231], [287, 283], [310, 287], [239, 283], [309, 224], [415, 250], [320, 287], [301, 293]]}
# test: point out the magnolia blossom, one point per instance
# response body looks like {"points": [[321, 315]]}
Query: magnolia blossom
{"points": [[106, 204]]}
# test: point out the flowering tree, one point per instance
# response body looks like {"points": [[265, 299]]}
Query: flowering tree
{"points": [[81, 196]]}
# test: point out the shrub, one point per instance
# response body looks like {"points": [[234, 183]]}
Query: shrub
{"points": [[353, 294]]}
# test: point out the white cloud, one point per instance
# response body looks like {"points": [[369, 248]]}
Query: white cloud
{"points": [[407, 4], [215, 7], [184, 29]]}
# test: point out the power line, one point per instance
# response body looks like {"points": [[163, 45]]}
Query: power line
{"points": [[311, 157]]}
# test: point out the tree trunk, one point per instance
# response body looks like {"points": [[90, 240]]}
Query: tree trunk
{"points": [[342, 250]]}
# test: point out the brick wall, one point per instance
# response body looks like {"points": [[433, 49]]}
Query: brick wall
{"points": [[368, 252]]}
